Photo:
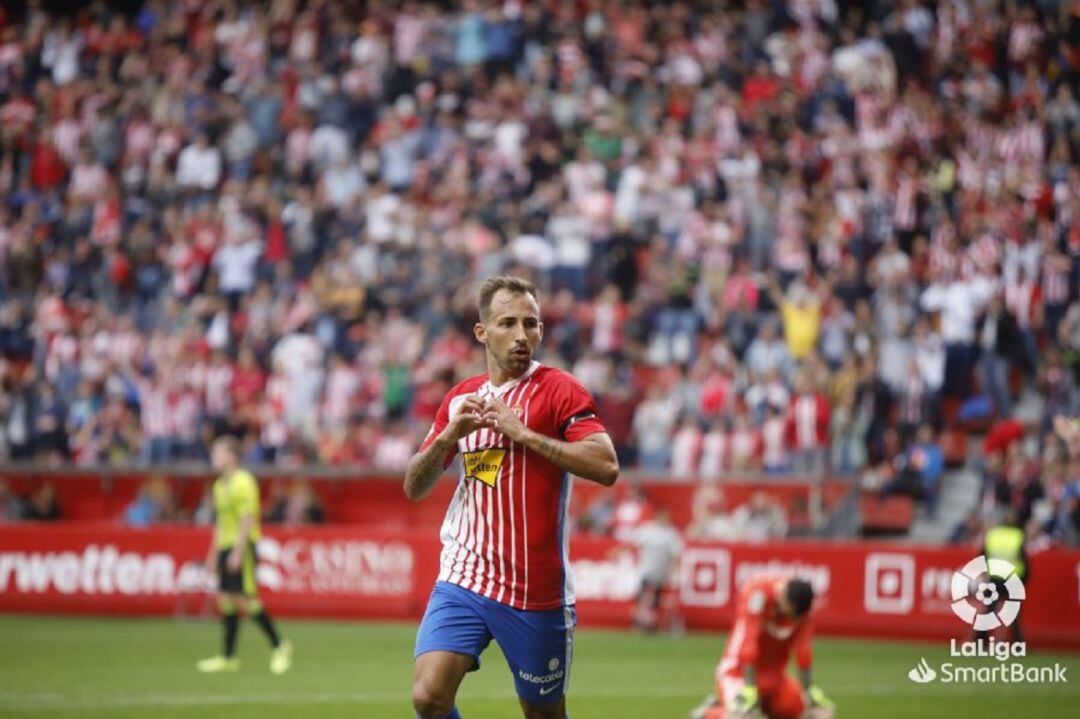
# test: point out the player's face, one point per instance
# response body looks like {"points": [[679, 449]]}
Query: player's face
{"points": [[512, 332], [221, 458], [784, 606]]}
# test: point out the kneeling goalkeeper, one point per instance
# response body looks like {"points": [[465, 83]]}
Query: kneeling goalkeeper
{"points": [[773, 617]]}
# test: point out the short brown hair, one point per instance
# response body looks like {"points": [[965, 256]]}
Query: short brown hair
{"points": [[231, 443], [517, 285]]}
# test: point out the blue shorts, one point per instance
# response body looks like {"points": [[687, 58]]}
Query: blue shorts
{"points": [[538, 646]]}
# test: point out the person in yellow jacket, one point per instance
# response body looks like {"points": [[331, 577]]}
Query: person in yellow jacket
{"points": [[231, 556], [1008, 541]]}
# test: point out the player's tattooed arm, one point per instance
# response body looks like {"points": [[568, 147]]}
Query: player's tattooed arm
{"points": [[427, 465], [591, 458], [425, 468], [550, 449]]}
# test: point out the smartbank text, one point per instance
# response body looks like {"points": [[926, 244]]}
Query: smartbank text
{"points": [[1007, 673]]}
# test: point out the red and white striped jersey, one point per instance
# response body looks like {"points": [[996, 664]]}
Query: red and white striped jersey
{"points": [[218, 382], [505, 535], [155, 408], [905, 210], [1055, 280]]}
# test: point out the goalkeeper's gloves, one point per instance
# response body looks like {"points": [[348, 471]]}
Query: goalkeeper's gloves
{"points": [[747, 698], [818, 698]]}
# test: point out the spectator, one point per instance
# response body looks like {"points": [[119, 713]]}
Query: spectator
{"points": [[599, 517], [199, 165], [919, 470], [800, 311], [653, 423], [12, 508], [1000, 345], [768, 353], [760, 520], [48, 433], [808, 427], [685, 449], [710, 522], [42, 506], [632, 510], [848, 454], [959, 302], [297, 505], [154, 504]]}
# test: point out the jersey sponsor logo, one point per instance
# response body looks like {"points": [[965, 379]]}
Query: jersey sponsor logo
{"points": [[484, 465]]}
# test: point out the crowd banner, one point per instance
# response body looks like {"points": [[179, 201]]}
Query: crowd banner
{"points": [[867, 589]]}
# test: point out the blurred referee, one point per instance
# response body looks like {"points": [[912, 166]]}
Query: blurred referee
{"points": [[232, 557]]}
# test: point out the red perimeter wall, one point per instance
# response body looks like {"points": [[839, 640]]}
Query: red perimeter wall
{"points": [[353, 572]]}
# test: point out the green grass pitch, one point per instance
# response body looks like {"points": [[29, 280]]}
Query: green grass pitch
{"points": [[145, 669]]}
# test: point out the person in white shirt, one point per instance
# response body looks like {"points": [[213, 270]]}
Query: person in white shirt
{"points": [[235, 262], [760, 520], [959, 301], [569, 232], [653, 423], [199, 165]]}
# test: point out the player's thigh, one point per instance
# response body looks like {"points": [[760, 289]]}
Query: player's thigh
{"points": [[452, 624], [784, 699], [438, 674], [539, 649], [239, 581]]}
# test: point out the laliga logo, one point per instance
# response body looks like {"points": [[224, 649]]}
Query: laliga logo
{"points": [[975, 582]]}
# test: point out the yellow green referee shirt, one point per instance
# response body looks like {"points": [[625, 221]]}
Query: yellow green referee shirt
{"points": [[236, 494]]}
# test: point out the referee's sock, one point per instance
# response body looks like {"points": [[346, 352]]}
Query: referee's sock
{"points": [[231, 622], [267, 625]]}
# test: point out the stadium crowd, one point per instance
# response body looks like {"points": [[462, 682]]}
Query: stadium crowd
{"points": [[780, 237]]}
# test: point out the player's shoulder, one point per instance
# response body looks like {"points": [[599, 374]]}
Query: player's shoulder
{"points": [[759, 592], [554, 377], [241, 476]]}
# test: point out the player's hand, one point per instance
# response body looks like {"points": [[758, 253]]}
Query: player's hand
{"points": [[468, 419], [502, 419], [747, 699], [234, 559], [818, 698]]}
